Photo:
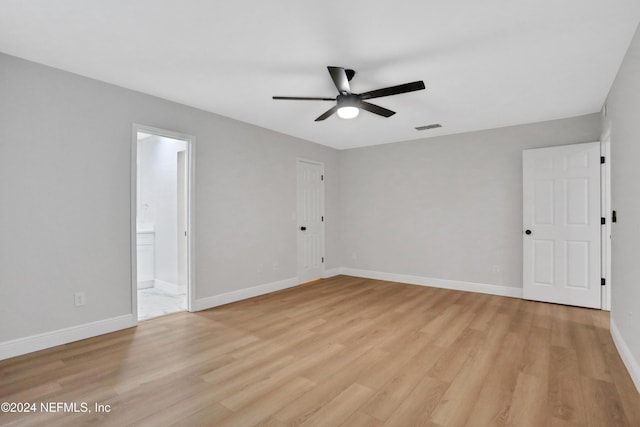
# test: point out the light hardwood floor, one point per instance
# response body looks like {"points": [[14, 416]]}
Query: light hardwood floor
{"points": [[340, 352]]}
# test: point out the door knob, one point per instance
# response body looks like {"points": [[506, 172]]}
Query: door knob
{"points": [[527, 232], [303, 228]]}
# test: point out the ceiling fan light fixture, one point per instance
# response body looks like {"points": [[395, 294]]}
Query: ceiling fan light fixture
{"points": [[348, 106], [348, 112]]}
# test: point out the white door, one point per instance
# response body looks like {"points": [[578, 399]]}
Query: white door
{"points": [[310, 215], [561, 224]]}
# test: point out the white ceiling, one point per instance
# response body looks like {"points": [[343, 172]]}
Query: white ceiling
{"points": [[486, 64]]}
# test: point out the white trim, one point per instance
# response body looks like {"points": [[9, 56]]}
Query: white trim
{"points": [[605, 246], [191, 163], [229, 297], [133, 227], [626, 355], [37, 342], [191, 224], [457, 285], [331, 272]]}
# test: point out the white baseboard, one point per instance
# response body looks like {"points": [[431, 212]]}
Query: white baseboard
{"points": [[33, 343], [229, 297], [146, 284], [331, 272], [457, 285], [625, 353], [171, 288]]}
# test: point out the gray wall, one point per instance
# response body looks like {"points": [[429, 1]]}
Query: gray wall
{"points": [[446, 207], [65, 153], [623, 110]]}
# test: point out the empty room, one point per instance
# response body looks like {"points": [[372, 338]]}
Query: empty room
{"points": [[367, 213]]}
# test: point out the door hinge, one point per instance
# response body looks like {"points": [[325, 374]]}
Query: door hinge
{"points": [[602, 159], [322, 259], [603, 282], [603, 221], [321, 177], [614, 216]]}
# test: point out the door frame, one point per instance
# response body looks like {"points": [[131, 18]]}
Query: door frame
{"points": [[605, 212], [190, 164], [322, 224]]}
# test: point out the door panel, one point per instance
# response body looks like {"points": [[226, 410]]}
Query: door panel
{"points": [[577, 256], [544, 202], [561, 209], [577, 201], [543, 262]]}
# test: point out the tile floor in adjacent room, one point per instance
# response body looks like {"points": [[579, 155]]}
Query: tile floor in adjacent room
{"points": [[154, 302]]}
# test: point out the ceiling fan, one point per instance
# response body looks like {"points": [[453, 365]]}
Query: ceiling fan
{"points": [[348, 104]]}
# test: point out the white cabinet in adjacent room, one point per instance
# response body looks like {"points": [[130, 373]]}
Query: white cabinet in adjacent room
{"points": [[146, 259]]}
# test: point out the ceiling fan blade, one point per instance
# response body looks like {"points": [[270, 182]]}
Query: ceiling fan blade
{"points": [[376, 109], [327, 113], [393, 90], [339, 77], [303, 98]]}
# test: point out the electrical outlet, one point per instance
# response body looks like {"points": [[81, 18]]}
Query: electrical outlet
{"points": [[496, 268], [80, 299]]}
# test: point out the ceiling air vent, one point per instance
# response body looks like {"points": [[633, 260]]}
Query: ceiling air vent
{"points": [[433, 126]]}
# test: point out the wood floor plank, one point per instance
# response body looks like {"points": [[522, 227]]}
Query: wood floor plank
{"points": [[261, 409], [336, 411], [257, 389], [411, 345], [627, 392], [391, 395], [252, 375], [334, 383], [592, 360], [343, 351], [270, 422], [454, 408], [358, 419], [416, 409], [209, 416], [565, 397], [603, 406], [456, 355], [537, 352], [529, 403], [493, 403]]}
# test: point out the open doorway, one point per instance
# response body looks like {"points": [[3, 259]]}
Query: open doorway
{"points": [[162, 189]]}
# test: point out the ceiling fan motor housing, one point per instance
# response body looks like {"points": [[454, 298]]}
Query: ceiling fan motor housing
{"points": [[348, 100]]}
